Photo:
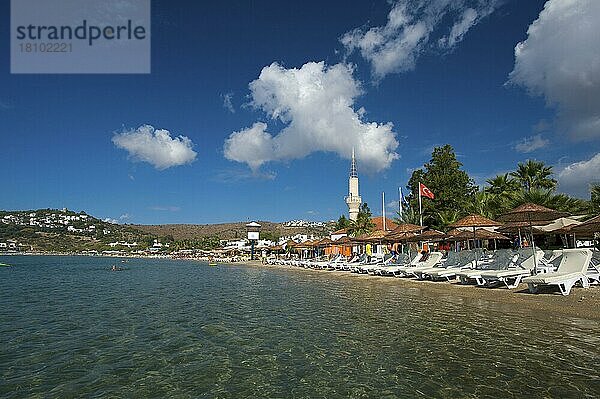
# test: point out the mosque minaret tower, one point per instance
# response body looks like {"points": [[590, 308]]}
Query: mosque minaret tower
{"points": [[353, 199]]}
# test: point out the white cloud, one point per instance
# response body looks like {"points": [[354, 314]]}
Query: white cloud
{"points": [[315, 103], [227, 102], [165, 208], [5, 105], [392, 206], [560, 60], [532, 143], [576, 178], [156, 147], [396, 46], [238, 174]]}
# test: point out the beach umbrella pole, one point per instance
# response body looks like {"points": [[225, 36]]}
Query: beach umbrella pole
{"points": [[532, 244]]}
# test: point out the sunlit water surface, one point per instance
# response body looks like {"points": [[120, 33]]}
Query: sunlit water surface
{"points": [[70, 327]]}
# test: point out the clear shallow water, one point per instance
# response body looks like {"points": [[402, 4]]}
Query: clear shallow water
{"points": [[69, 327]]}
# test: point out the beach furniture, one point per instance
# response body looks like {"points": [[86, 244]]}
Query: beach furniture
{"points": [[512, 276], [370, 265], [399, 271], [375, 270], [344, 265], [402, 261], [447, 269], [593, 272], [349, 266], [387, 268], [428, 262], [572, 269], [503, 259]]}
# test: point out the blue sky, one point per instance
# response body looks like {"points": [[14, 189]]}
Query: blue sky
{"points": [[288, 157]]}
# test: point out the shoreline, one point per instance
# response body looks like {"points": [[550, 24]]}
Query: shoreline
{"points": [[581, 303]]}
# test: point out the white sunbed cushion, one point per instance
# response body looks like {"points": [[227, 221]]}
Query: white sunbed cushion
{"points": [[506, 273], [549, 278]]}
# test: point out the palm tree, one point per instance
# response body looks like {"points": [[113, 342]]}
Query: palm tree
{"points": [[363, 223], [360, 226], [534, 175], [486, 204], [544, 197], [503, 185], [447, 217], [409, 215]]}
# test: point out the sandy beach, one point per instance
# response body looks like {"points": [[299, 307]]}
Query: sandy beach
{"points": [[581, 303]]}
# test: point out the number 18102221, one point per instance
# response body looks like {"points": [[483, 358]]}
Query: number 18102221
{"points": [[46, 47]]}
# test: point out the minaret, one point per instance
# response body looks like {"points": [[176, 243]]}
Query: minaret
{"points": [[353, 199]]}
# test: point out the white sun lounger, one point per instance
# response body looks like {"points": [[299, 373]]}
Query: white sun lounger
{"points": [[512, 277], [452, 260], [593, 271], [433, 259], [465, 260], [503, 260], [572, 269], [393, 269], [387, 269]]}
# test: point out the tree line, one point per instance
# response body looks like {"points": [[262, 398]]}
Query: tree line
{"points": [[457, 195]]}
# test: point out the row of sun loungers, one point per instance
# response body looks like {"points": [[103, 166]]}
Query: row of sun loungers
{"points": [[559, 268]]}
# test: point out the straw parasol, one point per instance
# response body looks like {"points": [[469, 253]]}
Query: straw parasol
{"points": [[375, 236], [475, 221], [342, 240], [454, 232], [429, 235], [532, 213], [406, 228], [590, 226], [324, 242]]}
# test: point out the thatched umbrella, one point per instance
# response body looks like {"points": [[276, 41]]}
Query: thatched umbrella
{"points": [[323, 242], [532, 213], [453, 233], [405, 228], [429, 235], [480, 234], [342, 240], [475, 221], [590, 226], [587, 229]]}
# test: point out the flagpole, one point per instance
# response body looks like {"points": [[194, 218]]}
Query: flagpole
{"points": [[420, 206], [383, 208], [400, 202]]}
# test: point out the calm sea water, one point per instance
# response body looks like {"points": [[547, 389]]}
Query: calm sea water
{"points": [[69, 327]]}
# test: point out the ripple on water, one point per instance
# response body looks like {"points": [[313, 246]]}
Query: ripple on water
{"points": [[161, 328]]}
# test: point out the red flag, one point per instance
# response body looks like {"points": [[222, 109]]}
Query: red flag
{"points": [[425, 192]]}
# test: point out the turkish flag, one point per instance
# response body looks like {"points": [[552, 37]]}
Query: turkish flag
{"points": [[425, 192]]}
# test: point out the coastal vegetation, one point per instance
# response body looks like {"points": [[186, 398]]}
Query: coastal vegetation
{"points": [[457, 195], [363, 223]]}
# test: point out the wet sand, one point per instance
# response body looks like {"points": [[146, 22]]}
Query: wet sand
{"points": [[580, 303]]}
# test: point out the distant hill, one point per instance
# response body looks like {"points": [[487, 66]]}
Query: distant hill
{"points": [[226, 231], [64, 231]]}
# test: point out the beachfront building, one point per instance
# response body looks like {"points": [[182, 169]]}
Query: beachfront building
{"points": [[336, 235], [353, 199]]}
